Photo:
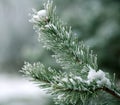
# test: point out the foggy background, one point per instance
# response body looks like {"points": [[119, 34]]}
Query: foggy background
{"points": [[96, 22]]}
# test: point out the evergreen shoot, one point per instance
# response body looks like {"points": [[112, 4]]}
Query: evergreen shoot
{"points": [[80, 80]]}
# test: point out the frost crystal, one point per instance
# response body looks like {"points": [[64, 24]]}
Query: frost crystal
{"points": [[78, 78], [65, 79], [51, 25], [60, 96]]}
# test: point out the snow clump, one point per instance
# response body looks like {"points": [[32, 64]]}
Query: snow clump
{"points": [[38, 16], [99, 77]]}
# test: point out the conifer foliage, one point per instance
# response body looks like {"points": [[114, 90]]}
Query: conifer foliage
{"points": [[79, 79]]}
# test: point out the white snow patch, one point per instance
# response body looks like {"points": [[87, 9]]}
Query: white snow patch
{"points": [[42, 13], [99, 77], [38, 16]]}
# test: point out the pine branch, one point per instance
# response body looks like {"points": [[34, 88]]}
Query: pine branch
{"points": [[40, 74], [81, 78], [56, 36], [64, 85]]}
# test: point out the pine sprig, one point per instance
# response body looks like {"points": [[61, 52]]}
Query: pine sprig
{"points": [[40, 74], [81, 79], [58, 37]]}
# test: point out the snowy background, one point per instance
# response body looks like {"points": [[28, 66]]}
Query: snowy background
{"points": [[18, 91], [16, 39]]}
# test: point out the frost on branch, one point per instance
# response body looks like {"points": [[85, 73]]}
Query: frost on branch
{"points": [[80, 78]]}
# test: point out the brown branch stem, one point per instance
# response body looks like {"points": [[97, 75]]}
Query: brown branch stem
{"points": [[112, 92], [106, 89]]}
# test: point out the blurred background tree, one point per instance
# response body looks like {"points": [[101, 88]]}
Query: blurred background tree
{"points": [[96, 22]]}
